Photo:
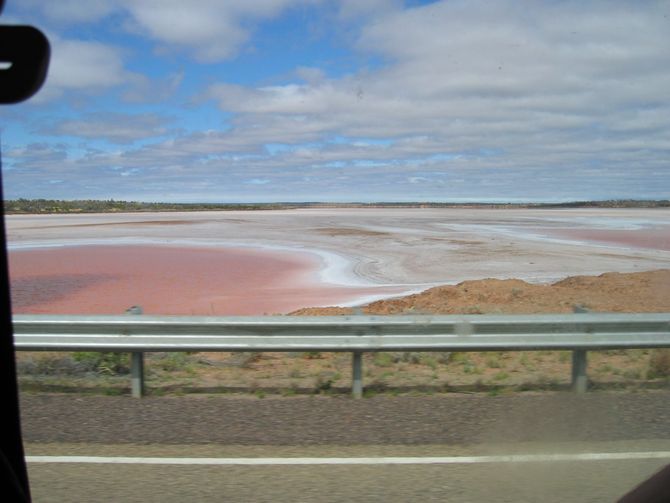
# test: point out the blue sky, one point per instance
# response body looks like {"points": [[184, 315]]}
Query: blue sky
{"points": [[350, 100]]}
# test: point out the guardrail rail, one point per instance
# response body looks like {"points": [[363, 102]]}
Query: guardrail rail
{"points": [[139, 334]]}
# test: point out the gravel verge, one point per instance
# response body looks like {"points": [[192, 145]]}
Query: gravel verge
{"points": [[437, 419]]}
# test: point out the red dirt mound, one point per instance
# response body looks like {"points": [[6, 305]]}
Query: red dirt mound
{"points": [[611, 292]]}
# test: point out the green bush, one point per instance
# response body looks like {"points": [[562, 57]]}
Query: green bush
{"points": [[383, 359], [430, 361], [50, 364], [104, 363], [173, 362], [408, 357], [500, 376]]}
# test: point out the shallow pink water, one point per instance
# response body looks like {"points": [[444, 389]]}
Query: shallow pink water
{"points": [[655, 239], [170, 280]]}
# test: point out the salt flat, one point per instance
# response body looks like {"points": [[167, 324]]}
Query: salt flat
{"points": [[412, 247]]}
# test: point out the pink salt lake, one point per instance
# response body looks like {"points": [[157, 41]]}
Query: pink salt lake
{"points": [[171, 280]]}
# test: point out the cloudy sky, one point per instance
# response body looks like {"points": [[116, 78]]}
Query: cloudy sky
{"points": [[350, 100]]}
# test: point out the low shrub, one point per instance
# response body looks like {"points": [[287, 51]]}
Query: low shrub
{"points": [[383, 359], [659, 363], [103, 363], [51, 364], [170, 362]]}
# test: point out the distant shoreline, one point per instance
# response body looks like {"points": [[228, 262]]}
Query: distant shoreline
{"points": [[54, 206]]}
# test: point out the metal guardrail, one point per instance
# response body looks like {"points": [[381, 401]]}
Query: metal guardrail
{"points": [[356, 334]]}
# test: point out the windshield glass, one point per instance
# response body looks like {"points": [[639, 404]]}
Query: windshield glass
{"points": [[496, 171]]}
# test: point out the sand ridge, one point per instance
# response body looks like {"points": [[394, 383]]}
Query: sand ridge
{"points": [[611, 292]]}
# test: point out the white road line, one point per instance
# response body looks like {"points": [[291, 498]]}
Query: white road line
{"points": [[512, 458]]}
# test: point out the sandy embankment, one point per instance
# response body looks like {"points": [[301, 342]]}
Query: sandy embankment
{"points": [[643, 292], [174, 280]]}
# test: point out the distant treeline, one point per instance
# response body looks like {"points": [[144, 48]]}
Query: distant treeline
{"points": [[33, 206], [112, 206], [614, 203]]}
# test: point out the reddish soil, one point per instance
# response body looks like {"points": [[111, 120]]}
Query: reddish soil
{"points": [[610, 292], [168, 280]]}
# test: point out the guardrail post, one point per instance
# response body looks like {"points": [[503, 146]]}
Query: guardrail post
{"points": [[136, 364], [137, 374], [580, 380], [357, 374]]}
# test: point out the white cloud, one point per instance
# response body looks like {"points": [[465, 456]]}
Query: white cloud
{"points": [[311, 75], [113, 127], [526, 79], [361, 10], [38, 154], [78, 64], [143, 89], [212, 29], [82, 66]]}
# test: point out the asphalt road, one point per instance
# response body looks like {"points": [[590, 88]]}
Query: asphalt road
{"points": [[451, 426]]}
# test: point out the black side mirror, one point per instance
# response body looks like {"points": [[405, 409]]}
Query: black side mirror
{"points": [[24, 60]]}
